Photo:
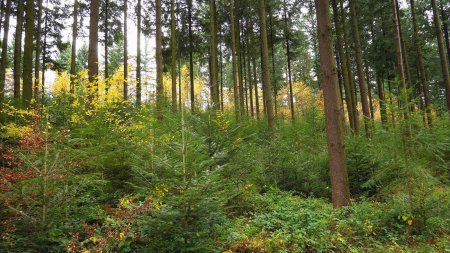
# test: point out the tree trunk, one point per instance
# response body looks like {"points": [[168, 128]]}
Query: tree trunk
{"points": [[255, 81], [234, 62], [381, 97], [93, 50], [159, 63], [272, 52], [125, 50], [37, 62], [173, 55], [345, 72], [18, 49], [44, 51], [249, 70], [420, 64], [4, 61], [191, 59], [446, 33], [28, 55], [351, 80], [335, 130], [267, 90], [138, 57], [288, 59], [239, 58], [214, 71], [106, 45], [442, 54], [221, 71], [360, 69], [73, 60]]}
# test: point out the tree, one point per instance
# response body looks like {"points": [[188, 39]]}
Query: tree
{"points": [[4, 61], [28, 55], [442, 54], [125, 50], [335, 132], [214, 70], [138, 56], [93, 49], [360, 69], [73, 59], [267, 90], [37, 62], [159, 63], [234, 61], [18, 49], [173, 51]]}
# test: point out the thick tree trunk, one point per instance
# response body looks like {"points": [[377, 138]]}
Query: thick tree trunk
{"points": [[442, 53], [420, 64], [138, 57], [28, 55], [93, 50], [345, 72], [445, 27], [4, 61], [18, 49], [159, 63], [234, 61], [125, 50], [73, 60], [360, 69], [267, 90], [214, 71], [335, 129]]}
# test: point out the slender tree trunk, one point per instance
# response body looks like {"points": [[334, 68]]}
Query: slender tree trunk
{"points": [[344, 70], [442, 54], [360, 69], [159, 63], [4, 60], [255, 81], [173, 54], [214, 71], [381, 97], [44, 51], [445, 27], [221, 71], [73, 60], [18, 49], [28, 55], [93, 50], [37, 61], [125, 50], [2, 12], [267, 90], [106, 42], [335, 129], [272, 52], [138, 57], [191, 59], [249, 70], [234, 61], [351, 80], [422, 75], [288, 59], [239, 59]]}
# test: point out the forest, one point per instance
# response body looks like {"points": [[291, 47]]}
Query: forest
{"points": [[224, 126]]}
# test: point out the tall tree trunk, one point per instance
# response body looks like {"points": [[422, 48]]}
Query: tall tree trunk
{"points": [[398, 49], [2, 12], [138, 58], [191, 58], [18, 49], [442, 54], [4, 61], [159, 63], [288, 59], [420, 64], [44, 51], [344, 70], [221, 71], [272, 52], [73, 60], [249, 70], [37, 61], [28, 55], [173, 55], [255, 82], [93, 50], [351, 80], [125, 50], [239, 58], [214, 71], [267, 90], [335, 129], [360, 69], [445, 27], [234, 61], [381, 97], [106, 45]]}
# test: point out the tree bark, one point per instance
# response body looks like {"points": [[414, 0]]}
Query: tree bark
{"points": [[442, 54], [173, 55], [234, 62], [28, 55], [267, 90], [191, 58], [18, 49], [335, 130], [125, 51], [73, 60], [360, 69], [93, 50], [37, 62], [213, 47], [4, 61], [288, 59], [138, 58], [159, 63], [255, 82]]}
